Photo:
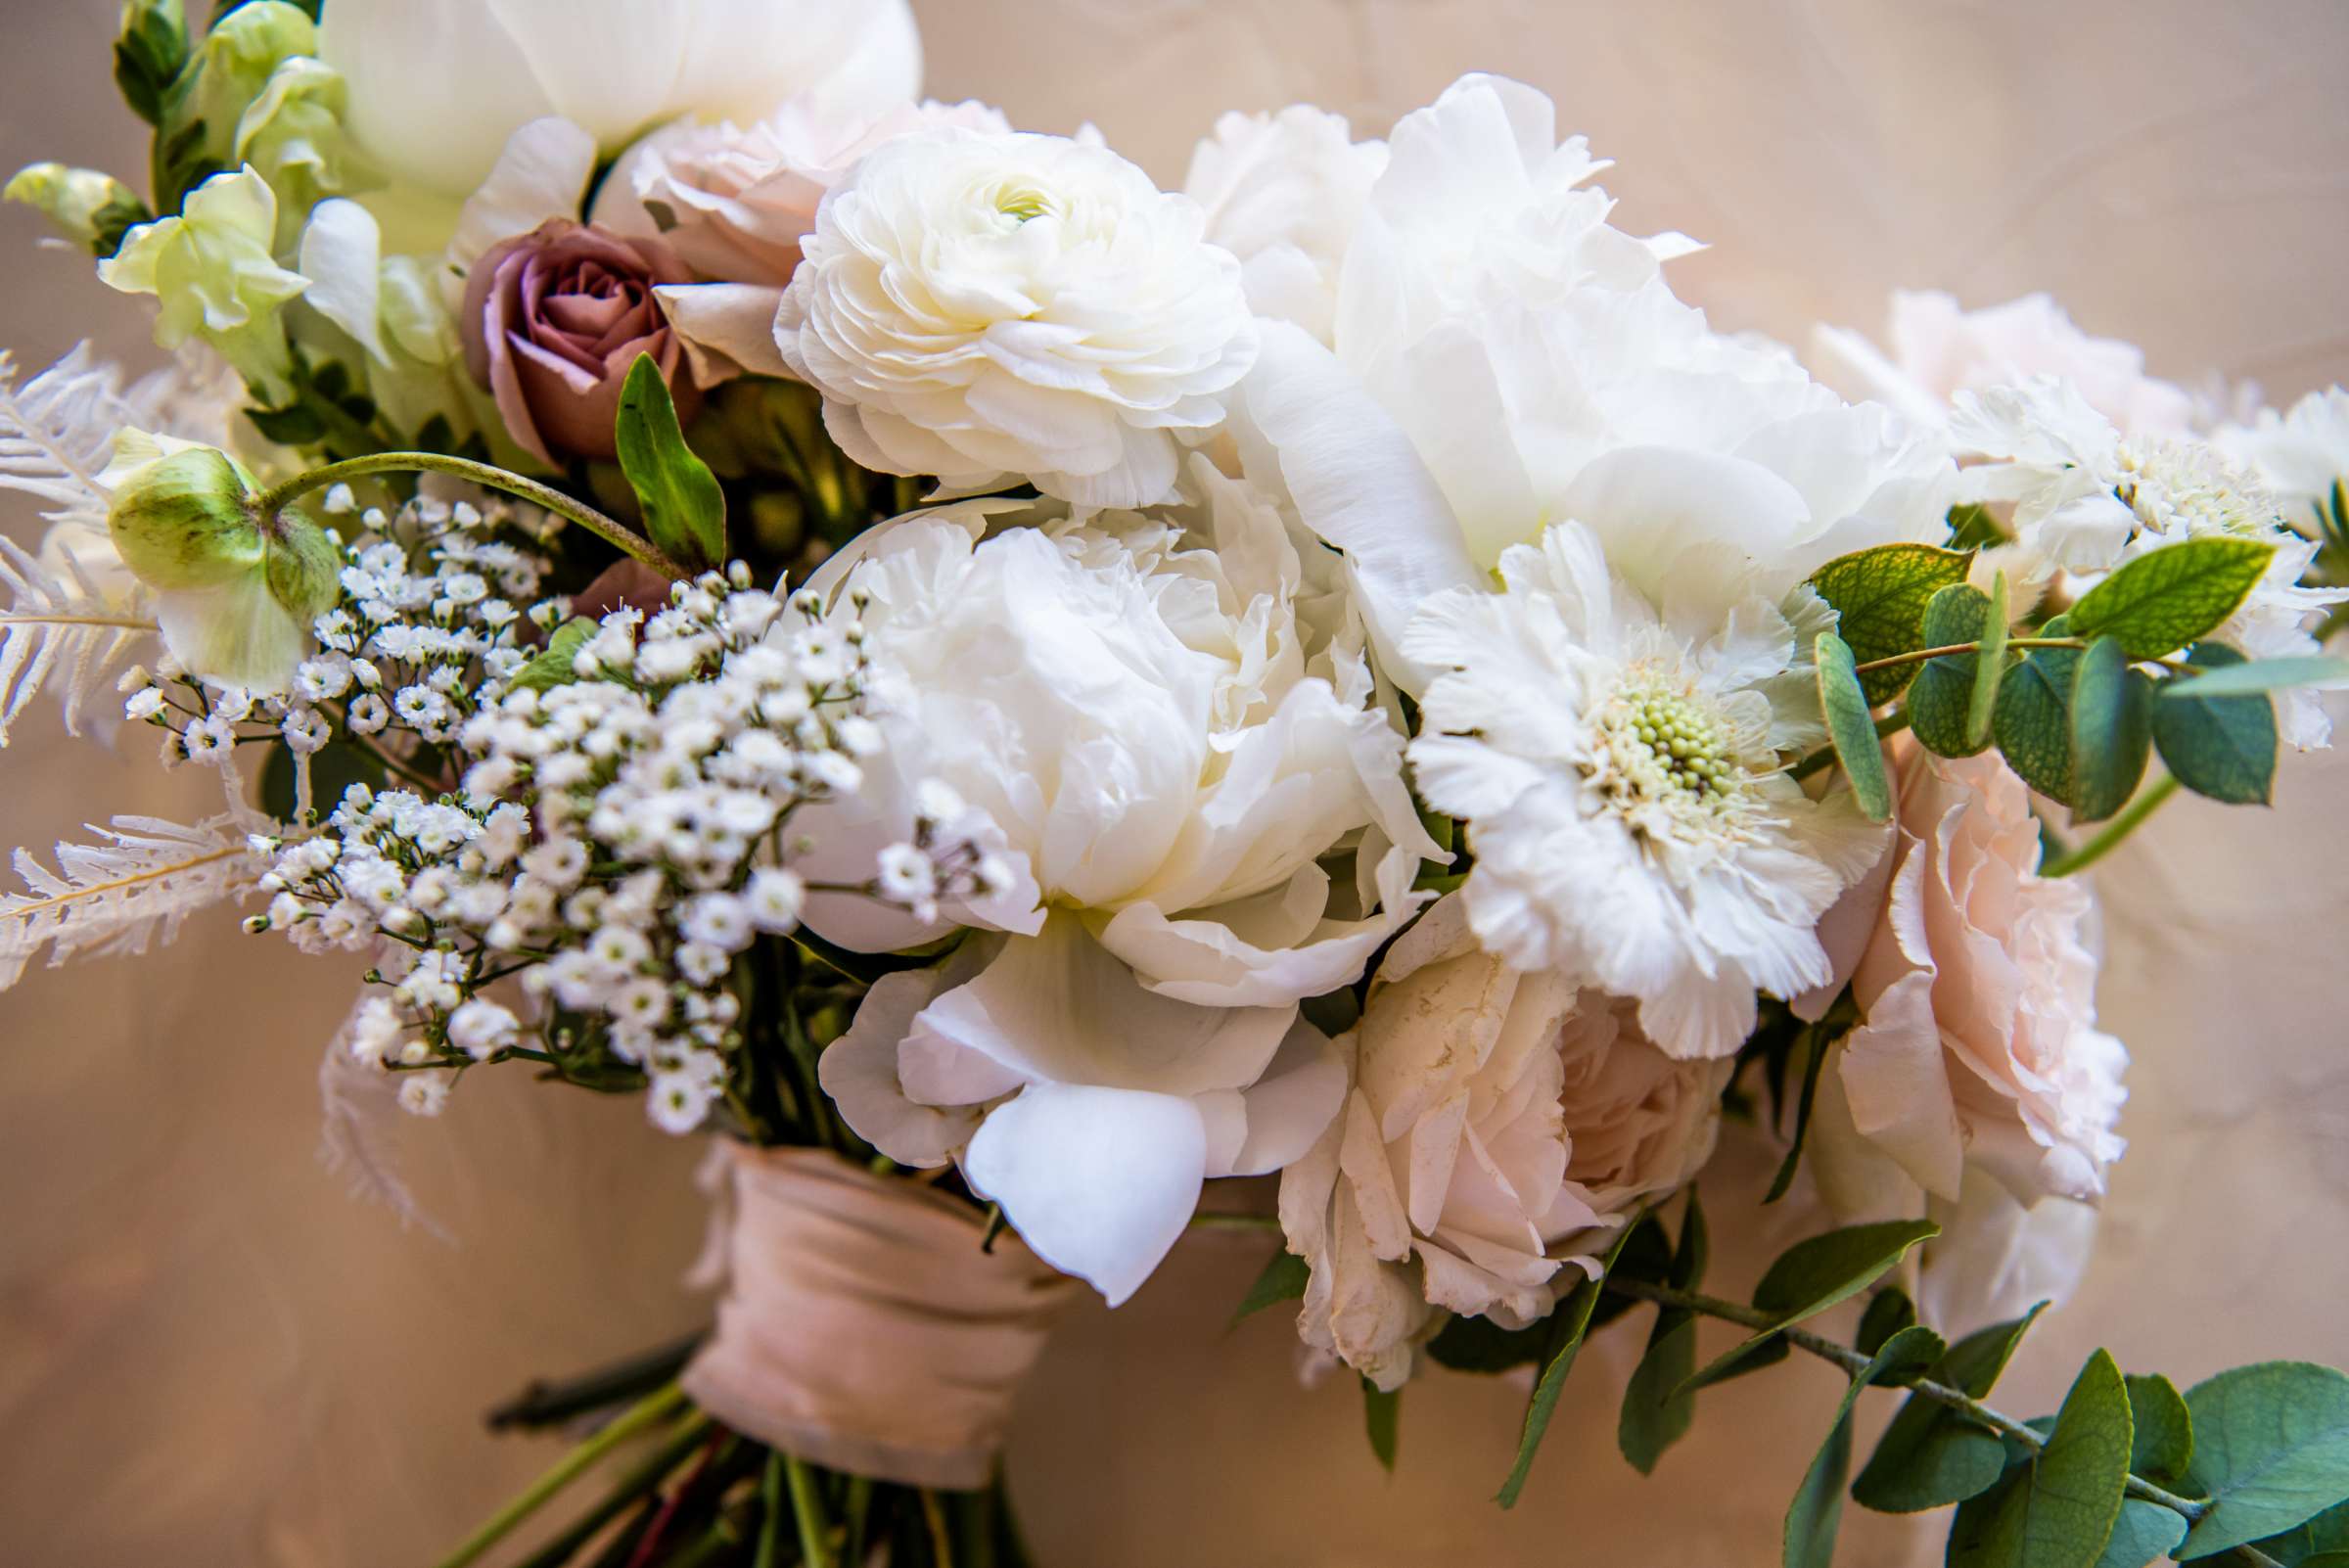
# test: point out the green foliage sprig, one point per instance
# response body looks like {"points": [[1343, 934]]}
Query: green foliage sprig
{"points": [[2077, 707]]}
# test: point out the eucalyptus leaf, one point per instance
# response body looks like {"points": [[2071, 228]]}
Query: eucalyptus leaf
{"points": [[2263, 674], [1815, 1274], [2221, 747], [1816, 1511], [2270, 1452], [1284, 1278], [2143, 1533], [1815, 1059], [1928, 1456], [1568, 1323], [2167, 597], [2165, 1431], [2112, 730], [1879, 598], [684, 506], [1381, 1414], [1889, 1310], [1480, 1345], [2031, 722], [1940, 703], [1656, 1411], [2059, 1507], [1989, 666], [1852, 728], [2325, 1534]]}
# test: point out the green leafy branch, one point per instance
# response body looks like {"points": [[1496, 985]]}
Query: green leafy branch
{"points": [[2077, 707]]}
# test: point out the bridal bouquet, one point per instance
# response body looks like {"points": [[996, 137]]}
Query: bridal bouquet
{"points": [[1005, 695]]}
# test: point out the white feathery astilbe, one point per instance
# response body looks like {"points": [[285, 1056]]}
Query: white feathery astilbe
{"points": [[64, 618], [119, 895], [62, 624]]}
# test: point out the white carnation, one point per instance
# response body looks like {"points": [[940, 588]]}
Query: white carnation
{"points": [[984, 307]]}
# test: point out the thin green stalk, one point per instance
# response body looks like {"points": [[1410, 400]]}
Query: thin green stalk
{"points": [[645, 1415], [770, 1498], [1920, 655], [808, 1507], [611, 530], [2148, 801], [632, 1489], [934, 1515], [1854, 1365]]}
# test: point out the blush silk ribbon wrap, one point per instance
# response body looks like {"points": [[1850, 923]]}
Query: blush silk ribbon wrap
{"points": [[862, 1328]]}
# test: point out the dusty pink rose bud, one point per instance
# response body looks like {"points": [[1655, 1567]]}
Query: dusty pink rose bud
{"points": [[553, 318]]}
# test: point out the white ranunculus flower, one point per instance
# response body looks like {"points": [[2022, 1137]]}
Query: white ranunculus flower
{"points": [[436, 86], [1493, 1122], [1503, 358], [1619, 762], [1165, 725], [1937, 349], [2089, 500], [988, 307], [1283, 193]]}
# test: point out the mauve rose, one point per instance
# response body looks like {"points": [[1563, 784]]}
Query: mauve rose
{"points": [[553, 321]]}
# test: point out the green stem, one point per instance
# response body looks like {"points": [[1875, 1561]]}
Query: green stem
{"points": [[771, 1496], [2148, 801], [1854, 1365], [612, 531], [808, 1509], [1920, 655], [639, 1417]]}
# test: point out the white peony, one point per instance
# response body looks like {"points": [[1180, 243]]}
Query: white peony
{"points": [[1620, 764], [1166, 726], [1283, 193], [1493, 1120], [436, 86], [1938, 349], [2087, 499], [1503, 358], [990, 308]]}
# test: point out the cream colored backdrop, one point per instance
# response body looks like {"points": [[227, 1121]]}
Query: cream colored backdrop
{"points": [[208, 1355]]}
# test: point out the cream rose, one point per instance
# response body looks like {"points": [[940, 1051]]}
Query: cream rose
{"points": [[1979, 1045], [735, 201], [1493, 1120], [989, 308]]}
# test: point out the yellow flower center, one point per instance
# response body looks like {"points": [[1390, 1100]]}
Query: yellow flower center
{"points": [[1666, 746]]}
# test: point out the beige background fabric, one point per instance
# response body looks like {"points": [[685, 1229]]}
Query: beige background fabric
{"points": [[209, 1355]]}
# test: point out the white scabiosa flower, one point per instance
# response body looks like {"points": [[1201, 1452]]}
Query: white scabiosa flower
{"points": [[984, 307], [1620, 770]]}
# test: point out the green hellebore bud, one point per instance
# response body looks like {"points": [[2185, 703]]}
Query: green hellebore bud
{"points": [[236, 593], [87, 207]]}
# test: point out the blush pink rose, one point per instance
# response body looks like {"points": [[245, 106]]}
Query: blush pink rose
{"points": [[1977, 990], [553, 321]]}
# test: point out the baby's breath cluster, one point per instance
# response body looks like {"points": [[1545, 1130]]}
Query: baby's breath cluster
{"points": [[614, 830], [428, 625]]}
